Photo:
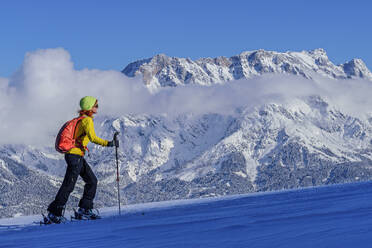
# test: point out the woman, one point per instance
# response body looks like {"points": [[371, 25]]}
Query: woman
{"points": [[77, 165]]}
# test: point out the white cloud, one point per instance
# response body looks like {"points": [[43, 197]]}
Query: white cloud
{"points": [[45, 92]]}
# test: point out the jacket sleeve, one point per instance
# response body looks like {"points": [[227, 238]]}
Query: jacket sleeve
{"points": [[88, 126]]}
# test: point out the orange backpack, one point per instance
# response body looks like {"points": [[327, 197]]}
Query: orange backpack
{"points": [[65, 140]]}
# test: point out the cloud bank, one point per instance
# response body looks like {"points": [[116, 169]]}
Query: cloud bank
{"points": [[45, 92]]}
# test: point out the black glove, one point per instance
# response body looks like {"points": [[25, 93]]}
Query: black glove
{"points": [[111, 143], [115, 139]]}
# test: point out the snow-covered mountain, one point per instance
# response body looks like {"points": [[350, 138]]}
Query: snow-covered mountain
{"points": [[162, 71], [304, 141]]}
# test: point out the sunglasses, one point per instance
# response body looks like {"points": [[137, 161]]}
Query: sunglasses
{"points": [[95, 106]]}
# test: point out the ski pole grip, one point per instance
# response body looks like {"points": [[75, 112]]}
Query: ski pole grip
{"points": [[116, 139]]}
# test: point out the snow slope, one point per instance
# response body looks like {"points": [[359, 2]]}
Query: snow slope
{"points": [[331, 216]]}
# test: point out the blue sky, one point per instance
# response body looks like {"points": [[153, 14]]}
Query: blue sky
{"points": [[110, 34]]}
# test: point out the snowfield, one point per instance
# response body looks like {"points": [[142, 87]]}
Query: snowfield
{"points": [[331, 216]]}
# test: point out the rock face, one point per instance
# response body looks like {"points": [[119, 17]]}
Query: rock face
{"points": [[164, 71]]}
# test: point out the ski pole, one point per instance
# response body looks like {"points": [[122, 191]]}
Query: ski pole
{"points": [[117, 166]]}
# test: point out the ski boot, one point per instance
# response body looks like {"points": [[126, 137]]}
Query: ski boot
{"points": [[86, 214], [52, 219]]}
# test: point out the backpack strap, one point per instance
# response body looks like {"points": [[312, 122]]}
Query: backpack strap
{"points": [[78, 140]]}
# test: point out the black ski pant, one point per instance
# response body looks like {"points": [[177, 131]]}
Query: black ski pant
{"points": [[76, 165]]}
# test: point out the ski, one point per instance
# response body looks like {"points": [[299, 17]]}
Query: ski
{"points": [[77, 216]]}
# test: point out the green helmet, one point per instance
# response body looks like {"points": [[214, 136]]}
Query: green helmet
{"points": [[87, 102]]}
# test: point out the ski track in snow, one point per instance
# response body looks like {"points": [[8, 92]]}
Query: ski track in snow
{"points": [[331, 216]]}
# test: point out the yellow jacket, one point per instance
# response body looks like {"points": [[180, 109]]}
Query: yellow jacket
{"points": [[85, 129]]}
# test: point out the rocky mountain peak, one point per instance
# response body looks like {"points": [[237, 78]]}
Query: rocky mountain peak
{"points": [[319, 52], [164, 71], [356, 68]]}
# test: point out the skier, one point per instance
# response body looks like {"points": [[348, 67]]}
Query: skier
{"points": [[77, 165]]}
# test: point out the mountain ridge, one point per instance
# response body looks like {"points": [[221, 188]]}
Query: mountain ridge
{"points": [[163, 71]]}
